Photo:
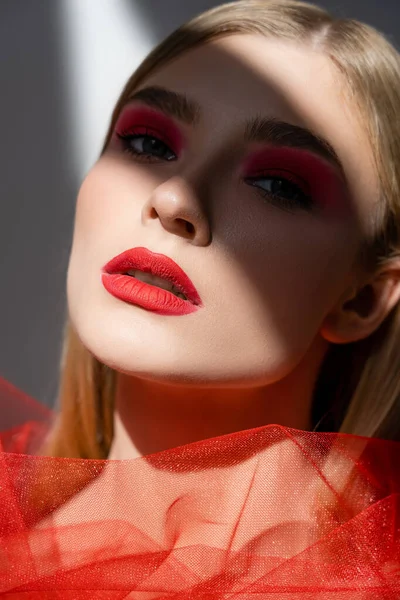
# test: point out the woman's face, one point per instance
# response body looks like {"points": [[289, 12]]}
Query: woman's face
{"points": [[214, 171]]}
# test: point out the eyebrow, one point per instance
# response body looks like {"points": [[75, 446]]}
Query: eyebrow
{"points": [[259, 129], [172, 103]]}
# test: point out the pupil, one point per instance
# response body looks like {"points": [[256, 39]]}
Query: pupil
{"points": [[153, 146], [281, 185]]}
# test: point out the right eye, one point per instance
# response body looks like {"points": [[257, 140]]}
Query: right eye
{"points": [[282, 191], [146, 147]]}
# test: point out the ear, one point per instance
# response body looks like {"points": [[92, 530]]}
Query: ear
{"points": [[362, 309]]}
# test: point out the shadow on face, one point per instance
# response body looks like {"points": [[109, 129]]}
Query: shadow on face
{"points": [[242, 161]]}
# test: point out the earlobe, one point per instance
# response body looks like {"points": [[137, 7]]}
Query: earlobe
{"points": [[360, 312]]}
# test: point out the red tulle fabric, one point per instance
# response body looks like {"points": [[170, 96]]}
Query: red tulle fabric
{"points": [[268, 513]]}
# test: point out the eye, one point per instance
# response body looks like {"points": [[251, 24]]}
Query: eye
{"points": [[282, 191], [146, 146]]}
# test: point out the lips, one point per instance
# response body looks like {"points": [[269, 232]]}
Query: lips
{"points": [[117, 281]]}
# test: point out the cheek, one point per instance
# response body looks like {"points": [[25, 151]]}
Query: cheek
{"points": [[110, 197], [289, 270], [308, 268]]}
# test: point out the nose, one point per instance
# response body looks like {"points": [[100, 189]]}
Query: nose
{"points": [[176, 205]]}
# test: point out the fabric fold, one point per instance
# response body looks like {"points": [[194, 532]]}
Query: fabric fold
{"points": [[267, 513]]}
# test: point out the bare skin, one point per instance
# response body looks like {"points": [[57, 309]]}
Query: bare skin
{"points": [[278, 285], [202, 413]]}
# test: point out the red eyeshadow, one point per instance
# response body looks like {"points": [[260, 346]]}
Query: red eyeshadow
{"points": [[135, 117], [325, 185]]}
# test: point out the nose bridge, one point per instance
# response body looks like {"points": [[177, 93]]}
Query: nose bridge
{"points": [[194, 180], [195, 177], [181, 195]]}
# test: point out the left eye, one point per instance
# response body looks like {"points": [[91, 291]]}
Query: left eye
{"points": [[146, 146], [282, 191]]}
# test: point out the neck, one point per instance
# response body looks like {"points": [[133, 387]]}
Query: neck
{"points": [[152, 416]]}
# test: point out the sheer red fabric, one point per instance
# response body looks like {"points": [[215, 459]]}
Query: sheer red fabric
{"points": [[268, 513]]}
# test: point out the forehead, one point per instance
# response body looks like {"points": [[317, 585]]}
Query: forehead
{"points": [[238, 77]]}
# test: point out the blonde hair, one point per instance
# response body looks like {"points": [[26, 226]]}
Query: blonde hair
{"points": [[358, 386]]}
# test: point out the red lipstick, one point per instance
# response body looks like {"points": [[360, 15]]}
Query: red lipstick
{"points": [[130, 289]]}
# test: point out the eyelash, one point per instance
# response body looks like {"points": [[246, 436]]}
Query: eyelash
{"points": [[306, 202], [127, 136]]}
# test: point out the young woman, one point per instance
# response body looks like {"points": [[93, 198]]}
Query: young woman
{"points": [[233, 315]]}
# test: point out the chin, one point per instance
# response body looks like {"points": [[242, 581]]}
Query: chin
{"points": [[153, 362], [141, 345]]}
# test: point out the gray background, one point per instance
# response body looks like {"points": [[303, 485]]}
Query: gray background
{"points": [[38, 175]]}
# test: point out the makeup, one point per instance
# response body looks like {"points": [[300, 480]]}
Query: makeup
{"points": [[141, 120], [121, 277], [315, 177]]}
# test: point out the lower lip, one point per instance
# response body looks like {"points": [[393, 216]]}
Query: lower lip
{"points": [[132, 290]]}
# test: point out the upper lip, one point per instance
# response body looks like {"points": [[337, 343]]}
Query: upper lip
{"points": [[160, 265]]}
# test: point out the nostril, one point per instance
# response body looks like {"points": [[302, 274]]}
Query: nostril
{"points": [[188, 226]]}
